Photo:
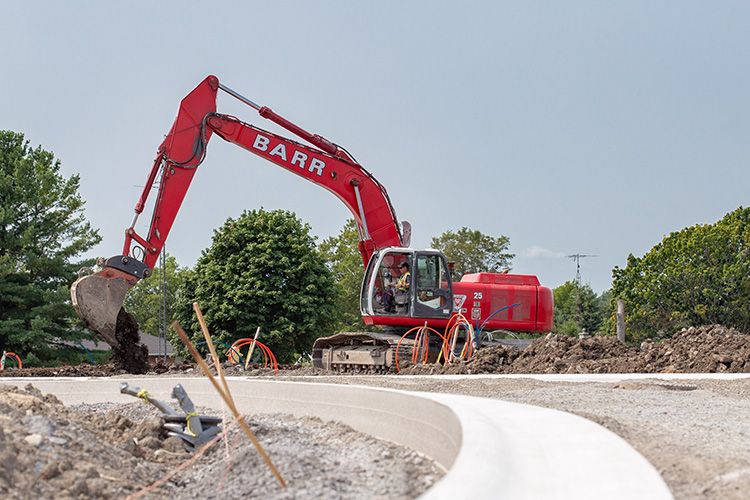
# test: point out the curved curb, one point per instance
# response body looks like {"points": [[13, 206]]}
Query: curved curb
{"points": [[526, 452], [491, 448]]}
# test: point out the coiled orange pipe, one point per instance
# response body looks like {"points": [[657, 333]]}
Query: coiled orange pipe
{"points": [[268, 357]]}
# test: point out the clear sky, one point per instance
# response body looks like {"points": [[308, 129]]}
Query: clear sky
{"points": [[590, 127]]}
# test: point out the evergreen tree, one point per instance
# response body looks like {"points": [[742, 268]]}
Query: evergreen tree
{"points": [[42, 231], [577, 308]]}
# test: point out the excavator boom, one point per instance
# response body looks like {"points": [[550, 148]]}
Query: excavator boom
{"points": [[98, 298], [498, 301]]}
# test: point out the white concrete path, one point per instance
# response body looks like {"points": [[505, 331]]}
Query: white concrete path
{"points": [[492, 449]]}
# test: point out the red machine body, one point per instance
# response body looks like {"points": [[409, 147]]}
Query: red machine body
{"points": [[523, 303], [515, 302]]}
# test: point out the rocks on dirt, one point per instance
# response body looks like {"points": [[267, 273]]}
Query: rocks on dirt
{"points": [[114, 450], [50, 451], [706, 349]]}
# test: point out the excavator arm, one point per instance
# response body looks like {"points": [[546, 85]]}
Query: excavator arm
{"points": [[98, 298], [348, 181]]}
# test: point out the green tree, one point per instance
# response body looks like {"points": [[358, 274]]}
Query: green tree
{"points": [[341, 254], [261, 269], [577, 307], [607, 306], [472, 251], [696, 276], [42, 231], [144, 301]]}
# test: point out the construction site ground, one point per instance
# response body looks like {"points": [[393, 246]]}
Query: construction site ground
{"points": [[111, 450], [694, 430]]}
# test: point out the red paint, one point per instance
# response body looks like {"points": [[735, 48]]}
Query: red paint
{"points": [[184, 148], [534, 313], [330, 167]]}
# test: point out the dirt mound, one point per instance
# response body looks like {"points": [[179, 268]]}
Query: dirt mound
{"points": [[706, 349], [83, 370], [562, 354], [50, 451], [103, 370], [108, 450]]}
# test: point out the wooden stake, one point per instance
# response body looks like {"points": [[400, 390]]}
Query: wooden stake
{"points": [[212, 349], [228, 401], [252, 348]]}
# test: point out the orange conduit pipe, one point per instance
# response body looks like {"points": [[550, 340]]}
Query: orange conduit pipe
{"points": [[268, 357], [420, 350], [456, 323], [234, 355], [16, 359]]}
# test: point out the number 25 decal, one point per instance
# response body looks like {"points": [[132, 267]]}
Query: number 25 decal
{"points": [[477, 295]]}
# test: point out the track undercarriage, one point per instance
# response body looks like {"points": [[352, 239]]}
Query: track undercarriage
{"points": [[375, 352], [360, 352]]}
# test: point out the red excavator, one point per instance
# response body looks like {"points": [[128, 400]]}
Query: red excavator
{"points": [[495, 300]]}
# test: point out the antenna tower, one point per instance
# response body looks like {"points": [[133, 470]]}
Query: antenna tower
{"points": [[577, 259], [164, 315]]}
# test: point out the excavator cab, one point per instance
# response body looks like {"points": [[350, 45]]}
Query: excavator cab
{"points": [[402, 282]]}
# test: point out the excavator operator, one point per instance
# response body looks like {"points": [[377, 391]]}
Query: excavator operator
{"points": [[401, 296], [396, 297], [405, 280]]}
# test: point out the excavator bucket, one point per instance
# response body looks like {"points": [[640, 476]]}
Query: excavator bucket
{"points": [[98, 298]]}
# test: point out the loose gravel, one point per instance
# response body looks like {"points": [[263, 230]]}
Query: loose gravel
{"points": [[110, 450], [696, 433]]}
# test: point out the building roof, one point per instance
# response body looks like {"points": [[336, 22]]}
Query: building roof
{"points": [[152, 342]]}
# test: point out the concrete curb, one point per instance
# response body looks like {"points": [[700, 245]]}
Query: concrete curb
{"points": [[491, 448]]}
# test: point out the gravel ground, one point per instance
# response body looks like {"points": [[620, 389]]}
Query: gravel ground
{"points": [[112, 450], [696, 433], [317, 459]]}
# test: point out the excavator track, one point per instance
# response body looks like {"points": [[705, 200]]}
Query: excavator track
{"points": [[375, 352], [360, 352]]}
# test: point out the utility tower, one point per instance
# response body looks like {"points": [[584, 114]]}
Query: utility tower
{"points": [[164, 313], [577, 259]]}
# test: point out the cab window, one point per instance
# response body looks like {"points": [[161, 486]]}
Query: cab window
{"points": [[432, 282], [390, 295]]}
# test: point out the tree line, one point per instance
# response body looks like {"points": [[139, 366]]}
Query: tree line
{"points": [[266, 269]]}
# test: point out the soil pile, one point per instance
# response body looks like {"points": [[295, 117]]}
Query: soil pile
{"points": [[50, 451], [706, 349], [562, 354], [83, 370], [110, 450]]}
